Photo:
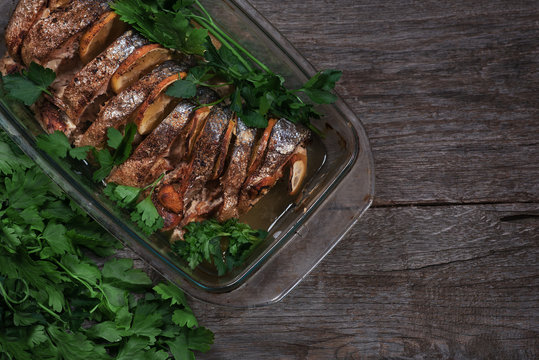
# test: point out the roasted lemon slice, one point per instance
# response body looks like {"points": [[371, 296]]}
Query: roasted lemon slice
{"points": [[140, 62], [154, 108], [100, 35]]}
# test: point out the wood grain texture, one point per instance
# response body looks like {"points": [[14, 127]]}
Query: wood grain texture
{"points": [[436, 282], [447, 90]]}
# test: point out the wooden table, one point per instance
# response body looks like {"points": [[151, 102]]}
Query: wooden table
{"points": [[445, 265]]}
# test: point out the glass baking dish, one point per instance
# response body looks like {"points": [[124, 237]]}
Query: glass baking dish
{"points": [[301, 231]]}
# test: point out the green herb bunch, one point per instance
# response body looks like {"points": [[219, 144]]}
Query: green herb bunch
{"points": [[56, 303], [258, 92], [225, 245]]}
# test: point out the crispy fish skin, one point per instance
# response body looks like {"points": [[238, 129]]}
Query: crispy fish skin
{"points": [[285, 138], [181, 150], [52, 118], [149, 160], [25, 15], [205, 155], [118, 110], [235, 174], [93, 79], [57, 35], [164, 147], [9, 66]]}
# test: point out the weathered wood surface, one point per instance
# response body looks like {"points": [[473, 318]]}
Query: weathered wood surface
{"points": [[431, 282], [448, 92]]}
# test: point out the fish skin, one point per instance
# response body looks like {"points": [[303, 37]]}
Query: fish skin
{"points": [[198, 196], [116, 112], [46, 38], [285, 138], [236, 173], [24, 17], [149, 160], [93, 79]]}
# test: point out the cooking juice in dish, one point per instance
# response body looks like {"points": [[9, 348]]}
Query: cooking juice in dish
{"points": [[277, 201]]}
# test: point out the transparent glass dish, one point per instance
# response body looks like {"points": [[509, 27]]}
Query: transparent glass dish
{"points": [[339, 189]]}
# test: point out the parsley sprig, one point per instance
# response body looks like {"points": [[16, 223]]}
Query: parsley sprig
{"points": [[28, 85], [121, 145], [225, 245], [57, 303], [258, 92], [143, 212]]}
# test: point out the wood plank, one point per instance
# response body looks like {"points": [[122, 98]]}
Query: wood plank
{"points": [[447, 91], [429, 282]]}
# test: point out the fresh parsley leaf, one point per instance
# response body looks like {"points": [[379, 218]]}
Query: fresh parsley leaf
{"points": [[203, 241], [106, 163], [172, 293], [199, 339], [40, 75], [167, 25], [121, 271], [184, 89], [147, 320], [75, 346], [319, 87], [323, 80], [55, 234], [83, 269], [114, 137], [184, 317], [55, 144], [133, 348], [21, 88], [144, 213], [30, 188], [92, 237], [11, 161], [122, 146], [320, 96], [123, 150], [253, 118], [80, 153], [123, 195], [147, 217], [107, 330], [28, 85]]}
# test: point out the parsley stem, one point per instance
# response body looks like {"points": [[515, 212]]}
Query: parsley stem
{"points": [[13, 301], [95, 308], [231, 40], [214, 85], [243, 50], [5, 296], [212, 103], [154, 184], [203, 9], [51, 313], [218, 34], [86, 285]]}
